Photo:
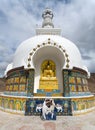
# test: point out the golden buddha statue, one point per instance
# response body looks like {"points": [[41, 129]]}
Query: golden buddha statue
{"points": [[48, 79], [48, 73]]}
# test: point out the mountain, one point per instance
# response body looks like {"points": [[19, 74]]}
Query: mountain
{"points": [[91, 83], [2, 84]]}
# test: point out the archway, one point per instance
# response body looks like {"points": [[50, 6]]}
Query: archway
{"points": [[54, 54]]}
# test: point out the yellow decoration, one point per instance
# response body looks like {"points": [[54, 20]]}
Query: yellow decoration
{"points": [[22, 87], [71, 79], [79, 106], [15, 88], [80, 88], [79, 80], [86, 88], [18, 106], [17, 80], [9, 81], [73, 88], [11, 87], [48, 78], [23, 80]]}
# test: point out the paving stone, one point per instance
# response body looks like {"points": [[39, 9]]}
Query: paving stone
{"points": [[18, 122]]}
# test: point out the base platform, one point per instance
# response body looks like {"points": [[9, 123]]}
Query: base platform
{"points": [[32, 105]]}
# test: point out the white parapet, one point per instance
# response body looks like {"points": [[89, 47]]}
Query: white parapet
{"points": [[48, 31]]}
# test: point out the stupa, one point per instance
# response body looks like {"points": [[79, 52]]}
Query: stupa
{"points": [[47, 66]]}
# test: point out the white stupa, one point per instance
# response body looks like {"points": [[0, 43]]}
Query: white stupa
{"points": [[48, 44], [47, 65]]}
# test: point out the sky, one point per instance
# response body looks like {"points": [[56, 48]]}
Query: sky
{"points": [[19, 19]]}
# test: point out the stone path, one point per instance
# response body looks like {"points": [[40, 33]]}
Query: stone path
{"points": [[18, 122]]}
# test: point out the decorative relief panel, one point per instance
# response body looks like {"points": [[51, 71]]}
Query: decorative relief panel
{"points": [[15, 88], [11, 87], [77, 83], [85, 88], [73, 88], [16, 81], [23, 79], [30, 86], [66, 83], [22, 87], [84, 81], [80, 88], [72, 79], [78, 80]]}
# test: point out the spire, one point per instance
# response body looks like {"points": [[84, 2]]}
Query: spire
{"points": [[47, 25], [47, 18]]}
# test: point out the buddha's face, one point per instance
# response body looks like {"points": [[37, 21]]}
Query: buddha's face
{"points": [[48, 67]]}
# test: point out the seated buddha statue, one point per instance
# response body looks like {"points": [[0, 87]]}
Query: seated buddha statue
{"points": [[48, 78], [48, 73]]}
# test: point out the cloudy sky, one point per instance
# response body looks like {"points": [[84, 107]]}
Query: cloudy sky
{"points": [[19, 18]]}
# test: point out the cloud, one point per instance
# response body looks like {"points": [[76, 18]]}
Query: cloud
{"points": [[86, 57], [18, 20]]}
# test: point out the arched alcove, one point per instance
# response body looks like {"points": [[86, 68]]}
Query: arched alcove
{"points": [[51, 53]]}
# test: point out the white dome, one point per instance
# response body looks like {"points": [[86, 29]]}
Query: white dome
{"points": [[32, 52], [22, 52], [25, 48]]}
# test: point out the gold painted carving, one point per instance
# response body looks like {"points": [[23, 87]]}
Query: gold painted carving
{"points": [[48, 78]]}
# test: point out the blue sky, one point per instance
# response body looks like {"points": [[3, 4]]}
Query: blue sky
{"points": [[19, 18]]}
